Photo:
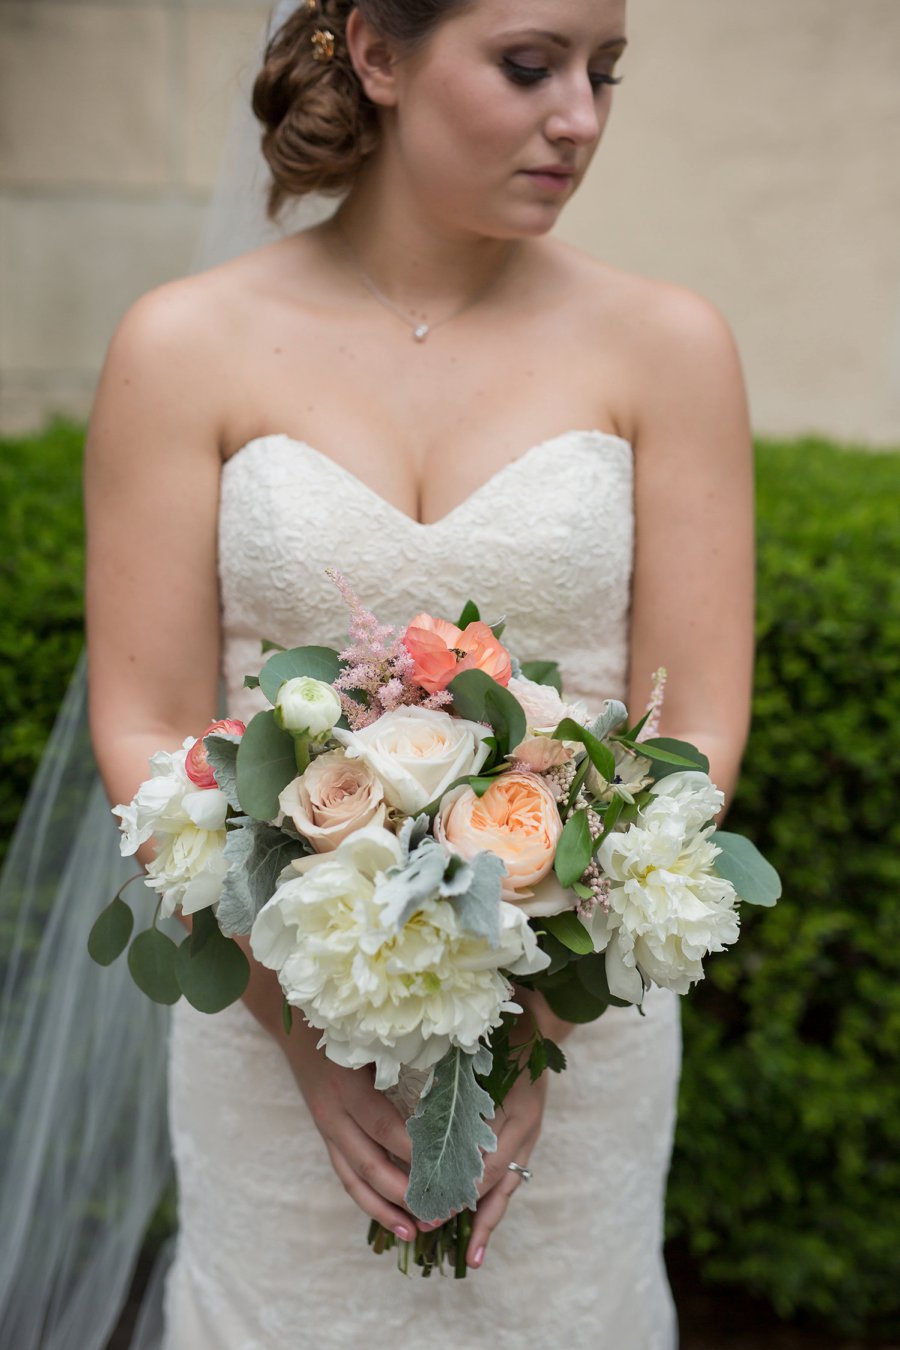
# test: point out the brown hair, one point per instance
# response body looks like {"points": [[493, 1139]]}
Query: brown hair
{"points": [[318, 123]]}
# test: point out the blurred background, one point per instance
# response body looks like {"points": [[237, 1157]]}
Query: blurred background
{"points": [[753, 155]]}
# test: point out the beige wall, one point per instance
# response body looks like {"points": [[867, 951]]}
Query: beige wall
{"points": [[753, 154]]}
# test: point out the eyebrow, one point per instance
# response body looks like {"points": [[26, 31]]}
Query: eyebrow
{"points": [[561, 41]]}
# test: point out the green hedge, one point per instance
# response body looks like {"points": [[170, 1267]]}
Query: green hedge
{"points": [[41, 597], [787, 1162], [785, 1178]]}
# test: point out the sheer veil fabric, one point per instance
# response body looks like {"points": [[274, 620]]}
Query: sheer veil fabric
{"points": [[84, 1148]]}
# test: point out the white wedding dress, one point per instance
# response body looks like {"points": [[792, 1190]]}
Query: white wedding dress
{"points": [[271, 1252]]}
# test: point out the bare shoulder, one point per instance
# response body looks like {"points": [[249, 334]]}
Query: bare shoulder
{"points": [[168, 368], [674, 348]]}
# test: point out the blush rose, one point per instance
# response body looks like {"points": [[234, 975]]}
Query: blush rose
{"points": [[333, 798]]}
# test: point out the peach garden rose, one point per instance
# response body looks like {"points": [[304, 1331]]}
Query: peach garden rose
{"points": [[517, 818]]}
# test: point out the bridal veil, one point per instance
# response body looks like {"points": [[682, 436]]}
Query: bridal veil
{"points": [[83, 1137]]}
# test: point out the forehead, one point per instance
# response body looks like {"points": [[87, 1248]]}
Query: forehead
{"points": [[579, 22]]}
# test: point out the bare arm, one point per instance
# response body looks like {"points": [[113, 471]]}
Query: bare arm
{"points": [[151, 493], [692, 603], [693, 587]]}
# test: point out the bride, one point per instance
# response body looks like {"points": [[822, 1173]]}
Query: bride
{"points": [[431, 393]]}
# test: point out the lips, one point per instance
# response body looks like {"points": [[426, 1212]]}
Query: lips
{"points": [[551, 177]]}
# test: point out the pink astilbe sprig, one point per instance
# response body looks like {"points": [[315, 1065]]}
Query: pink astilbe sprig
{"points": [[376, 664], [654, 706]]}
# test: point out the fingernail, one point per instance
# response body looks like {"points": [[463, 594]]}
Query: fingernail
{"points": [[478, 1257], [403, 1233]]}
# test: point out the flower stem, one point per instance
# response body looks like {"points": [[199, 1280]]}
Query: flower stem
{"points": [[301, 752]]}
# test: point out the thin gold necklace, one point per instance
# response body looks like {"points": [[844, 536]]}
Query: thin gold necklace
{"points": [[419, 331]]}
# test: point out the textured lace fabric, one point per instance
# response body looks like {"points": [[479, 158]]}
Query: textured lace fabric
{"points": [[271, 1252]]}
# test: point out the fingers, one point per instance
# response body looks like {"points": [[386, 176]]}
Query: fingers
{"points": [[381, 1122], [370, 1162], [369, 1200], [487, 1216]]}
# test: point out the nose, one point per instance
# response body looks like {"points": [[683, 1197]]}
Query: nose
{"points": [[577, 116]]}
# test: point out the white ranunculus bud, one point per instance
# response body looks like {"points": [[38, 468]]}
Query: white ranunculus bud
{"points": [[307, 707]]}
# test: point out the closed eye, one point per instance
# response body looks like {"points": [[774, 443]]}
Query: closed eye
{"points": [[526, 75]]}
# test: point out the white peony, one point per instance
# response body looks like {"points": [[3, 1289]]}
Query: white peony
{"points": [[667, 908], [417, 753], [380, 996], [307, 707], [689, 796], [188, 824], [188, 869]]}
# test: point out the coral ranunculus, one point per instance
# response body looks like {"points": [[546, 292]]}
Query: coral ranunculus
{"points": [[196, 762], [441, 651]]}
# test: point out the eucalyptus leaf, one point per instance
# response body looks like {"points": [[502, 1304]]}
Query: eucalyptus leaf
{"points": [[591, 971], [568, 929], [266, 763], [251, 681], [600, 755], [573, 852], [480, 699], [740, 862], [572, 1002], [449, 1131], [611, 715], [319, 663], [221, 751], [665, 751], [470, 614], [543, 672], [111, 932], [151, 960], [215, 976], [257, 854], [203, 924], [560, 955], [269, 646]]}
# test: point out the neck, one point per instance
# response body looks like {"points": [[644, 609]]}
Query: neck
{"points": [[420, 262]]}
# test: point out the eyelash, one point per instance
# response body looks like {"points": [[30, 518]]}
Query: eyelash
{"points": [[529, 75]]}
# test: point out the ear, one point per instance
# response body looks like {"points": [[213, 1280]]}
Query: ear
{"points": [[373, 58]]}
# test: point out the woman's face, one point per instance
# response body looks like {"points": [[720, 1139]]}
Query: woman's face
{"points": [[499, 92]]}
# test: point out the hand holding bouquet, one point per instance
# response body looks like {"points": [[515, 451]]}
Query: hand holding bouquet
{"points": [[416, 822]]}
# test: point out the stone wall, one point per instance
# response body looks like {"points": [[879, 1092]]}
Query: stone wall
{"points": [[752, 155]]}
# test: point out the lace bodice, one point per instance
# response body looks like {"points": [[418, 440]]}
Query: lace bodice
{"points": [[271, 1252], [546, 543]]}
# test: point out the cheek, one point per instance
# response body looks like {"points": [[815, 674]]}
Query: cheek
{"points": [[470, 123]]}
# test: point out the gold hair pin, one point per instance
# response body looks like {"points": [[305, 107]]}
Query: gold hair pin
{"points": [[323, 44]]}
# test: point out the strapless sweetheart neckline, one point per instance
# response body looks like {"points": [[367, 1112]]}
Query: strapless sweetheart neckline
{"points": [[295, 443]]}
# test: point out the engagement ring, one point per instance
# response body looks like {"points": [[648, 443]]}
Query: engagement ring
{"points": [[523, 1172]]}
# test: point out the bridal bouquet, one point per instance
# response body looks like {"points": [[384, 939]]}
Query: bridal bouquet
{"points": [[417, 824]]}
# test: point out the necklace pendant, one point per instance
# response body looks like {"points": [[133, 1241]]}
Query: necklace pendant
{"points": [[421, 332]]}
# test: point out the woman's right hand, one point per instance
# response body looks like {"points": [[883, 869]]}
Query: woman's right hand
{"points": [[360, 1127]]}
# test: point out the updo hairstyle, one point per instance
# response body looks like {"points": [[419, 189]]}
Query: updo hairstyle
{"points": [[319, 125]]}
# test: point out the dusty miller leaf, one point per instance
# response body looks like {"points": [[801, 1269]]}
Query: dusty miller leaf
{"points": [[612, 715], [221, 751], [448, 1132], [478, 905], [257, 853]]}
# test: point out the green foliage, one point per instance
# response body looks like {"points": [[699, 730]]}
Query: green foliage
{"points": [[787, 1163], [448, 1131], [41, 598]]}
